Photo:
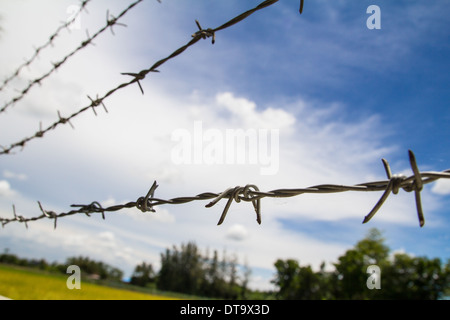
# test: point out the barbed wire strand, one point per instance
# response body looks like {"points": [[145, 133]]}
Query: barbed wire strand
{"points": [[200, 34], [110, 22], [251, 193], [38, 50]]}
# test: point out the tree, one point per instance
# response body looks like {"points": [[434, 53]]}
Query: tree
{"points": [[9, 258], [446, 271], [232, 286], [213, 282], [350, 275], [402, 276], [186, 270], [309, 284], [300, 283], [91, 267], [286, 278], [245, 280], [142, 275], [351, 270], [373, 248], [181, 270], [416, 278]]}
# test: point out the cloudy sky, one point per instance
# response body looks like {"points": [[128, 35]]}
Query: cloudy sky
{"points": [[323, 97]]}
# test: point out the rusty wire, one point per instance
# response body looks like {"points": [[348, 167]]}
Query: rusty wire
{"points": [[110, 22], [251, 193], [49, 42], [200, 34]]}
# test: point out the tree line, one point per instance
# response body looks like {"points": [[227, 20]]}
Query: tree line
{"points": [[401, 276], [185, 269], [89, 268]]}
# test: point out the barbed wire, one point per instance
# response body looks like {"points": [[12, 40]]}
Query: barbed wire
{"points": [[200, 34], [49, 42], [251, 193], [110, 22]]}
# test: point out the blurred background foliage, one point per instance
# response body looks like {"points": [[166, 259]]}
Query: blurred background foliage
{"points": [[402, 276]]}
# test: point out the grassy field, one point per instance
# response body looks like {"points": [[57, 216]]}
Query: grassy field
{"points": [[25, 284]]}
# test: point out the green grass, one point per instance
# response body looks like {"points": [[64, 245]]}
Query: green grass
{"points": [[26, 284]]}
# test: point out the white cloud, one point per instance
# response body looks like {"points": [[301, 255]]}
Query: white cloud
{"points": [[237, 232], [5, 189], [129, 162], [109, 202], [117, 155], [260, 281], [72, 238], [398, 251], [249, 116], [130, 158], [12, 175], [107, 236], [162, 215], [441, 187]]}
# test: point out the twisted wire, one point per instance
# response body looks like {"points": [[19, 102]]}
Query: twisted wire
{"points": [[110, 22], [200, 34], [49, 42], [251, 193]]}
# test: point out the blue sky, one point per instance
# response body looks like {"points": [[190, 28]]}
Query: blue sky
{"points": [[341, 96]]}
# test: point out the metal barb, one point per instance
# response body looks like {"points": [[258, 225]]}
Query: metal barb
{"points": [[417, 186], [43, 211], [400, 181], [14, 212], [40, 133], [143, 202], [64, 120], [138, 76], [238, 193], [49, 214], [387, 168], [227, 206], [380, 202], [98, 207], [204, 34], [256, 203], [112, 22]]}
